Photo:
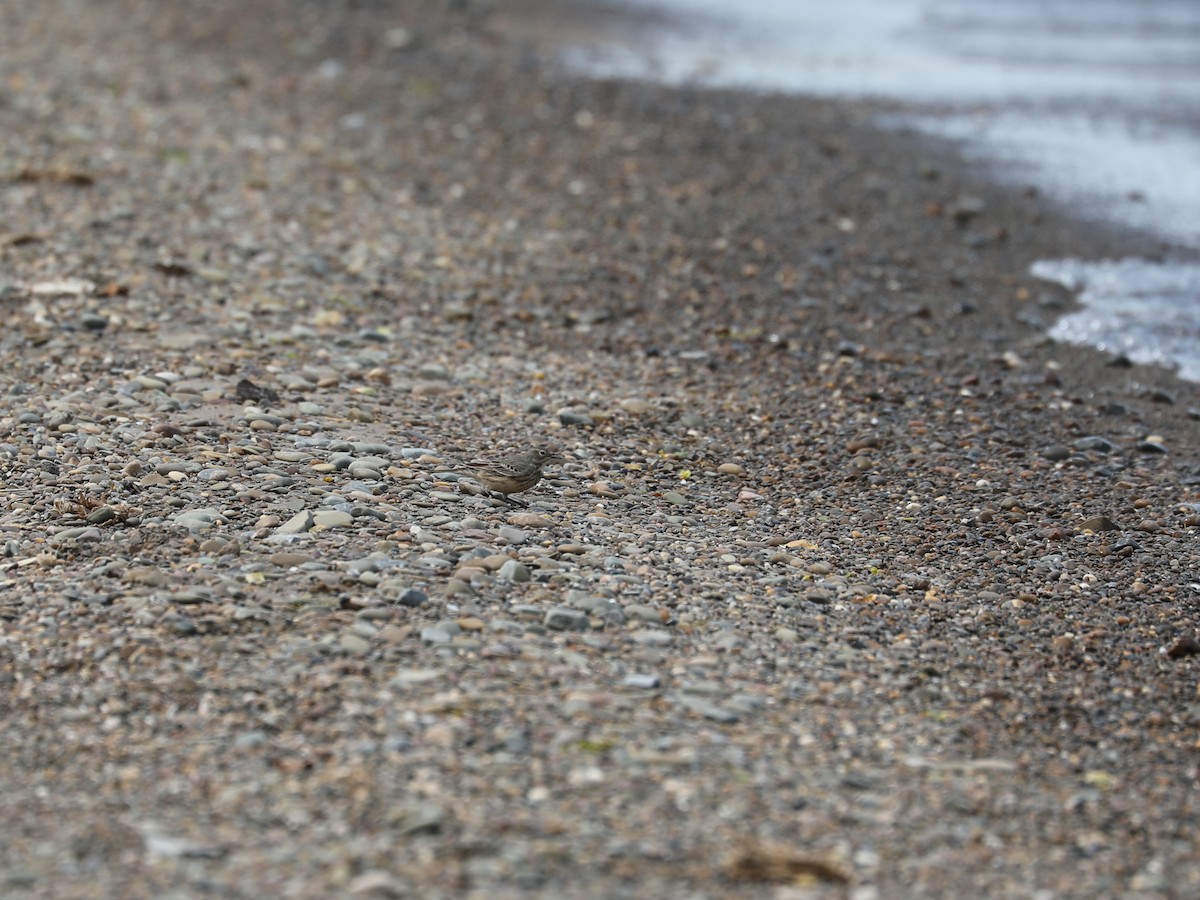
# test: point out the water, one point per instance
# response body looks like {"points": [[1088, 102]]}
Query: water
{"points": [[1132, 307], [1096, 102]]}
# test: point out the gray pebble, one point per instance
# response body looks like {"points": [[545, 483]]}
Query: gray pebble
{"points": [[332, 518], [191, 598], [456, 588], [433, 372], [569, 417], [198, 519], [651, 637], [703, 688], [297, 524], [706, 709], [743, 704], [449, 626], [641, 681], [514, 572], [1095, 442], [102, 515], [153, 384], [423, 818], [368, 467], [611, 615], [250, 740], [363, 629], [93, 321], [361, 487], [178, 624], [562, 618], [601, 607], [412, 597], [78, 534], [407, 678], [646, 656], [511, 535], [728, 641], [360, 512], [352, 642], [364, 564], [641, 613], [373, 613], [1099, 523]]}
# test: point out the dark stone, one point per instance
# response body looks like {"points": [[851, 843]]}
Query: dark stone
{"points": [[412, 597]]}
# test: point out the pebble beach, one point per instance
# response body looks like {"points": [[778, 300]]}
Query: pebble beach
{"points": [[851, 584]]}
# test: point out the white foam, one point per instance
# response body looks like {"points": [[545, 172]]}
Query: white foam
{"points": [[1144, 310]]}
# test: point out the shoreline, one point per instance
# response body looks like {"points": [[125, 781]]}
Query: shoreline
{"points": [[852, 583]]}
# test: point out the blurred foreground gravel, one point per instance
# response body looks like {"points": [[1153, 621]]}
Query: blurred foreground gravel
{"points": [[852, 585]]}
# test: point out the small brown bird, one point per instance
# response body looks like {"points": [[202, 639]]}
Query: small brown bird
{"points": [[512, 474]]}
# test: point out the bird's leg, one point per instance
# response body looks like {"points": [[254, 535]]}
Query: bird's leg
{"points": [[511, 501]]}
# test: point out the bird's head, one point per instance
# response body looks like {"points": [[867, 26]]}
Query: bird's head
{"points": [[546, 454]]}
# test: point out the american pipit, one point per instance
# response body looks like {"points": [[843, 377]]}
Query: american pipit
{"points": [[514, 473]]}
